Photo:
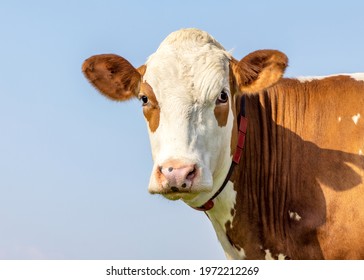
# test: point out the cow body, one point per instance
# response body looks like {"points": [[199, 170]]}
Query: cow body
{"points": [[298, 191], [299, 188]]}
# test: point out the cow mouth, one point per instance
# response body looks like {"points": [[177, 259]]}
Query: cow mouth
{"points": [[176, 195]]}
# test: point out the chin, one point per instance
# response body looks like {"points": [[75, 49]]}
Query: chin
{"points": [[180, 195]]}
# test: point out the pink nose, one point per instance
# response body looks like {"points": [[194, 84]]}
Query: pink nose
{"points": [[176, 177]]}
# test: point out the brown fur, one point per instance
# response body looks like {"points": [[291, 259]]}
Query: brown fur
{"points": [[299, 158], [151, 110], [233, 91], [113, 76], [221, 112]]}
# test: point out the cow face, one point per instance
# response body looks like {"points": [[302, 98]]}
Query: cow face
{"points": [[187, 89]]}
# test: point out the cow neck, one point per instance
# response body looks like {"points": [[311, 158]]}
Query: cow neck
{"points": [[242, 124]]}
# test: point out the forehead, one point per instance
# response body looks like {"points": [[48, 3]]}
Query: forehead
{"points": [[188, 60]]}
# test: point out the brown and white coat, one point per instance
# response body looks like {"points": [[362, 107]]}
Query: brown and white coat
{"points": [[298, 192]]}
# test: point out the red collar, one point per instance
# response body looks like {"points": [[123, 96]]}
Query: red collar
{"points": [[243, 124]]}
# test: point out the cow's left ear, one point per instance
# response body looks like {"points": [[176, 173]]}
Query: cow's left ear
{"points": [[259, 70], [113, 76]]}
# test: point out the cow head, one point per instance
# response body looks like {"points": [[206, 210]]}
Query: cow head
{"points": [[187, 90]]}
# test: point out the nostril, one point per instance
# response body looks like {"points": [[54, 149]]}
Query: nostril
{"points": [[191, 174], [176, 176]]}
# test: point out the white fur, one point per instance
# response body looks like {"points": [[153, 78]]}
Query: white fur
{"points": [[355, 76], [356, 118], [294, 216], [268, 256], [187, 73], [358, 76]]}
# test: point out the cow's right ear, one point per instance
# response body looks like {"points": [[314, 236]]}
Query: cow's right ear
{"points": [[113, 76]]}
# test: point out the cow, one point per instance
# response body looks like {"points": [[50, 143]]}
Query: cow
{"points": [[275, 163]]}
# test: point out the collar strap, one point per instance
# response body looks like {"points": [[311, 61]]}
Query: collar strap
{"points": [[243, 124]]}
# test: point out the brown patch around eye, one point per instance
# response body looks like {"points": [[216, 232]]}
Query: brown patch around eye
{"points": [[221, 112], [151, 110]]}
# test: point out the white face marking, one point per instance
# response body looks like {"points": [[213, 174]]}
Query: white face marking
{"points": [[220, 215], [355, 76], [339, 119], [356, 118], [294, 216], [187, 73], [360, 152]]}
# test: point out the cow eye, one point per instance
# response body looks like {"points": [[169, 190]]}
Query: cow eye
{"points": [[222, 98], [144, 100]]}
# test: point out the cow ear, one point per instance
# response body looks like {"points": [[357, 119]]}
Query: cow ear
{"points": [[259, 70], [113, 76]]}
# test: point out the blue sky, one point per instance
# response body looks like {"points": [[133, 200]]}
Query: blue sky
{"points": [[74, 166]]}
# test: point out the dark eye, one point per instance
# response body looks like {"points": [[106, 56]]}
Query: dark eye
{"points": [[223, 98], [144, 100]]}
